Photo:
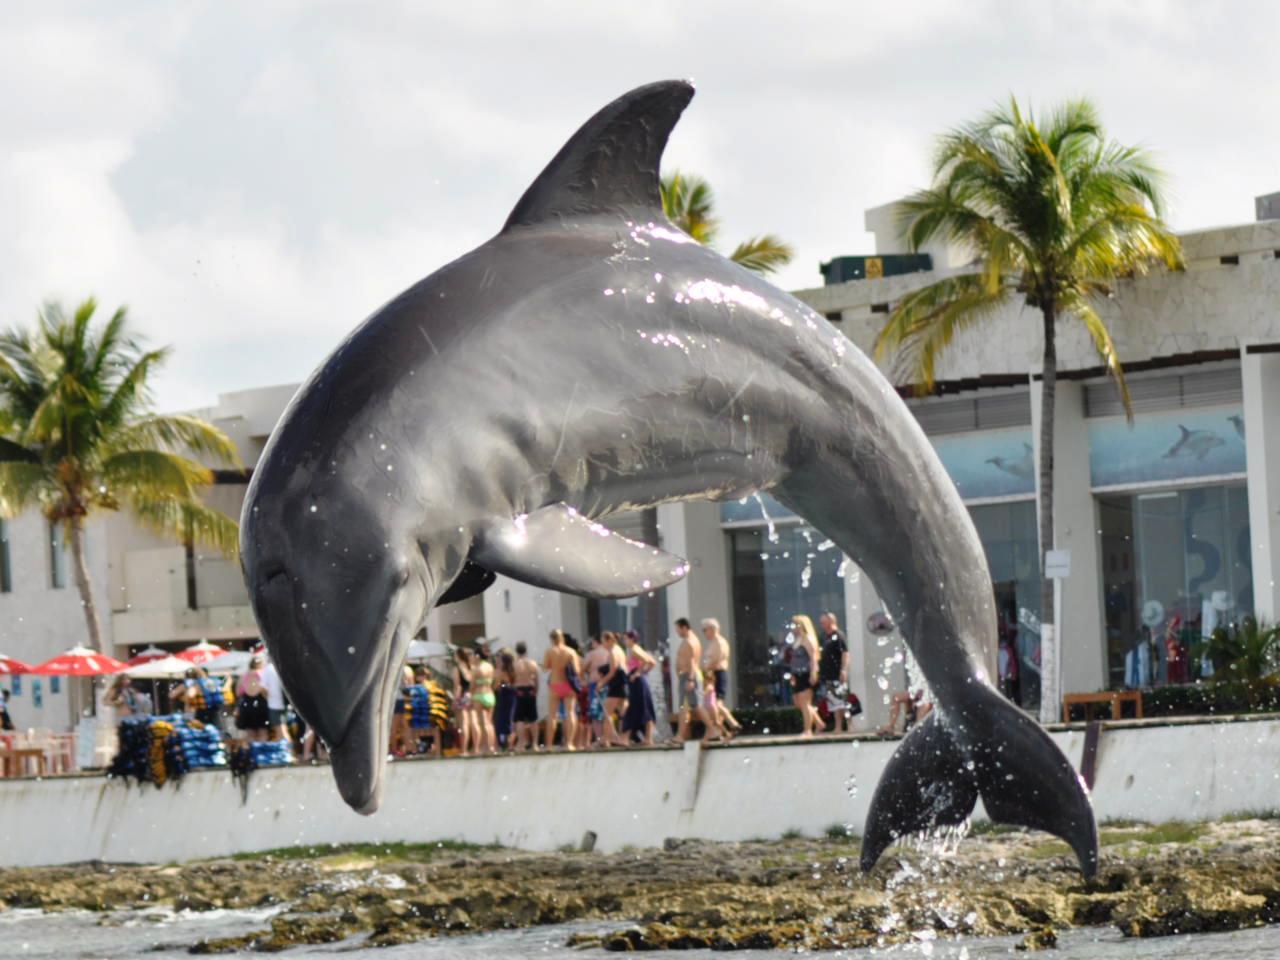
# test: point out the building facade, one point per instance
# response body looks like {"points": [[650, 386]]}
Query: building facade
{"points": [[1172, 523]]}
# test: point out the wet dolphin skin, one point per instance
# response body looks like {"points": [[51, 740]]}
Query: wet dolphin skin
{"points": [[590, 359]]}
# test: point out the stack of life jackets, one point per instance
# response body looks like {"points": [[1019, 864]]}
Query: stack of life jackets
{"points": [[428, 706], [160, 749]]}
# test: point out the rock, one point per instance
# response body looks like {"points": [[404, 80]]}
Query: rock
{"points": [[1043, 939]]}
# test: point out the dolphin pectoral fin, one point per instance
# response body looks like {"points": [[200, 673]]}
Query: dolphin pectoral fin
{"points": [[925, 785], [558, 548], [474, 579], [1026, 780]]}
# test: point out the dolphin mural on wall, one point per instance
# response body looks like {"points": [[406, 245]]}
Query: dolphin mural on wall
{"points": [[1193, 444], [1022, 467], [591, 359]]}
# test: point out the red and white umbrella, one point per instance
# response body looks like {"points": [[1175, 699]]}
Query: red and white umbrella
{"points": [[79, 662], [147, 656], [8, 666], [202, 652]]}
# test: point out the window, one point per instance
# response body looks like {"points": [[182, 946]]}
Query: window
{"points": [[796, 571], [6, 575], [1009, 539], [1176, 564], [57, 557]]}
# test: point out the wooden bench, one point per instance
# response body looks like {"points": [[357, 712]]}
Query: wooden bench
{"points": [[1087, 701], [18, 761]]}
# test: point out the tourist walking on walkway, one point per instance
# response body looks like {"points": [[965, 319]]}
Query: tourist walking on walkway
{"points": [[563, 669], [833, 672], [467, 733], [716, 659], [614, 680], [689, 692], [483, 701], [504, 711], [275, 702], [594, 664], [252, 716], [526, 716], [640, 716], [804, 672]]}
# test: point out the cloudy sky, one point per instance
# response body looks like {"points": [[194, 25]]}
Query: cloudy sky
{"points": [[253, 179]]}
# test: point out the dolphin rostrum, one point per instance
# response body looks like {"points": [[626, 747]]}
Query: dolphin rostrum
{"points": [[591, 359]]}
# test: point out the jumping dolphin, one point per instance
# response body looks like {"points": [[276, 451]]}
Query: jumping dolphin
{"points": [[1023, 468], [1193, 444], [591, 359]]}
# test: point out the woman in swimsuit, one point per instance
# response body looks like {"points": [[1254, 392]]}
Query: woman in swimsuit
{"points": [[483, 702], [804, 672], [640, 716], [561, 663], [613, 678], [467, 733]]}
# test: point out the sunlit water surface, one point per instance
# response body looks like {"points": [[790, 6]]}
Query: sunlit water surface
{"points": [[164, 936]]}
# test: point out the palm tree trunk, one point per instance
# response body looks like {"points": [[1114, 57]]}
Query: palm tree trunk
{"points": [[1050, 682], [76, 528]]}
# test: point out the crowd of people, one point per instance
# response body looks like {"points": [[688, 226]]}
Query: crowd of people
{"points": [[598, 695]]}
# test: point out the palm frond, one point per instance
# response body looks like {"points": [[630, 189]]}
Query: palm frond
{"points": [[926, 321], [688, 202], [763, 254], [22, 485], [1080, 308], [178, 433], [184, 519], [154, 474]]}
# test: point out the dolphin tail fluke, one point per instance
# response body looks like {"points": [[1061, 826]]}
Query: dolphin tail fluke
{"points": [[925, 785], [996, 751]]}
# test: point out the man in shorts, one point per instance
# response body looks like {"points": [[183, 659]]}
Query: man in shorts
{"points": [[526, 684], [689, 695]]}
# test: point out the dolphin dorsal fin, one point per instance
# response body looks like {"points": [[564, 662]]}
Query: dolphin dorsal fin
{"points": [[1185, 432], [611, 164]]}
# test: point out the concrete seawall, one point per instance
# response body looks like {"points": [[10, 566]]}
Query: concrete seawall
{"points": [[1156, 772]]}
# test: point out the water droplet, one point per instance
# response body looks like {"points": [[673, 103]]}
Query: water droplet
{"points": [[351, 650]]}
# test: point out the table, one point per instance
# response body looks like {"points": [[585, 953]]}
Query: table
{"points": [[1113, 697], [13, 761]]}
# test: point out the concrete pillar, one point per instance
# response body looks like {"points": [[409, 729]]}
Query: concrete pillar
{"points": [[692, 531], [1081, 627], [1260, 373], [866, 655]]}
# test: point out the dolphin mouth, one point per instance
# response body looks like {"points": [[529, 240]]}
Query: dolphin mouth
{"points": [[359, 761]]}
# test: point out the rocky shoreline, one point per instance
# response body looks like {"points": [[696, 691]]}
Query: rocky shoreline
{"points": [[1154, 881]]}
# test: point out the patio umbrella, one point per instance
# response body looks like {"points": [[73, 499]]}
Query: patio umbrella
{"points": [[201, 652], [165, 668], [8, 666], [79, 662], [146, 656], [233, 662]]}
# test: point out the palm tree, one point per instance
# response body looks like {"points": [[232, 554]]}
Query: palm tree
{"points": [[1054, 215], [689, 204], [77, 436]]}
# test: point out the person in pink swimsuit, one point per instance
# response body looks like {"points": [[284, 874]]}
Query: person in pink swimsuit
{"points": [[563, 666]]}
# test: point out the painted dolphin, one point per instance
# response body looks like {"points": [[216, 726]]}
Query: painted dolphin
{"points": [[1193, 444], [1023, 467], [591, 359]]}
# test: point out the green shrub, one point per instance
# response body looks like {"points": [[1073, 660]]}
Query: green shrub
{"points": [[1208, 698]]}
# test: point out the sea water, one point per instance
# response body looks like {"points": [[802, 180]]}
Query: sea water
{"points": [[164, 935]]}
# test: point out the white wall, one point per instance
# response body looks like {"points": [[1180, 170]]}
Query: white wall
{"points": [[541, 802], [1261, 375], [38, 622]]}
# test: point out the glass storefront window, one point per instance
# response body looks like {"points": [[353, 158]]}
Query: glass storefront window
{"points": [[1175, 565], [773, 581], [1009, 537]]}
